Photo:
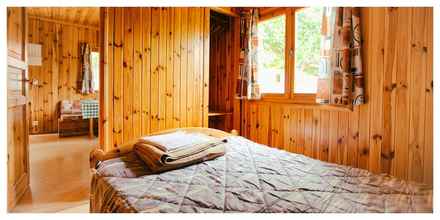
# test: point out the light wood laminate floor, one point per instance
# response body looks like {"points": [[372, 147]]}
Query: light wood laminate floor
{"points": [[59, 174]]}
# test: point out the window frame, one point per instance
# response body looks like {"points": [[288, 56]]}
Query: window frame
{"points": [[289, 94]]}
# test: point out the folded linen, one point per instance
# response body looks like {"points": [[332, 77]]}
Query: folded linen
{"points": [[160, 161], [175, 140]]}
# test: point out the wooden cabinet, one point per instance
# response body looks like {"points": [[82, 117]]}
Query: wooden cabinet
{"points": [[18, 138]]}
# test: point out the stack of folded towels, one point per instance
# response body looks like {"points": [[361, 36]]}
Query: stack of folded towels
{"points": [[178, 149]]}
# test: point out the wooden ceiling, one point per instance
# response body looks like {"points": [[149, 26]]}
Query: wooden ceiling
{"points": [[88, 16]]}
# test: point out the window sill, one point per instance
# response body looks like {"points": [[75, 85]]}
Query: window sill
{"points": [[300, 103]]}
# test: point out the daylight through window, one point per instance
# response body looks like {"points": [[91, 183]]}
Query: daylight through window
{"points": [[307, 49], [271, 54]]}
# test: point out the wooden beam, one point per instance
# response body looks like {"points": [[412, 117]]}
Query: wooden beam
{"points": [[226, 11]]}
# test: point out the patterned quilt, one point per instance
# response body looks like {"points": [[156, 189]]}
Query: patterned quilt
{"points": [[252, 178]]}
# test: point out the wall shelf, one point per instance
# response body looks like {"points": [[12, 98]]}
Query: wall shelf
{"points": [[213, 114]]}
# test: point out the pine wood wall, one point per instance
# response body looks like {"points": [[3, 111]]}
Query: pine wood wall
{"points": [[58, 75], [155, 71], [393, 132]]}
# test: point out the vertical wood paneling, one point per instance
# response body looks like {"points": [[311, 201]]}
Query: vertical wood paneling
{"points": [[198, 86], [352, 154], [155, 21], [333, 137], [106, 100], [118, 100], [146, 70], [403, 32], [137, 71], [417, 90], [428, 151], [293, 127], [127, 76], [184, 68], [163, 20], [157, 70], [299, 144], [389, 93], [253, 123], [169, 70], [286, 128], [190, 72], [205, 84], [376, 80], [364, 110], [176, 66], [263, 119], [315, 133], [276, 126], [324, 136], [308, 135], [342, 146]]}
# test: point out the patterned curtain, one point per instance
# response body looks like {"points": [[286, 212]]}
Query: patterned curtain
{"points": [[341, 81], [86, 72], [247, 82]]}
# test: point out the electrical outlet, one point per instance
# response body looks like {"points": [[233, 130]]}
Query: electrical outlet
{"points": [[34, 123]]}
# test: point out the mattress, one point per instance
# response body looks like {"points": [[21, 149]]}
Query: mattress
{"points": [[252, 178]]}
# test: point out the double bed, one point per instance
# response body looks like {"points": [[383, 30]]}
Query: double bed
{"points": [[250, 177]]}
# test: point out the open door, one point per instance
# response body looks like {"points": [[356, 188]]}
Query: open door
{"points": [[18, 136]]}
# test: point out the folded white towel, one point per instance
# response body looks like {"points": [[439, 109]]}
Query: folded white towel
{"points": [[175, 140]]}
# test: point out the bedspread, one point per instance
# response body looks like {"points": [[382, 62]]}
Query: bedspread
{"points": [[252, 177]]}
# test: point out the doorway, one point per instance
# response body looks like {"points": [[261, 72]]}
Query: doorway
{"points": [[63, 78]]}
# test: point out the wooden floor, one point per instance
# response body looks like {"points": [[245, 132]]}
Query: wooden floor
{"points": [[59, 174]]}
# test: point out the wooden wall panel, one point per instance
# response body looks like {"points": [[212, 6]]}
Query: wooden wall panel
{"points": [[58, 75], [428, 130], [155, 71], [392, 133]]}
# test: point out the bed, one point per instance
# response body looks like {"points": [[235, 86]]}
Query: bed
{"points": [[250, 177]]}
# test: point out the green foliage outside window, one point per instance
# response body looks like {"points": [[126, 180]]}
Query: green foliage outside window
{"points": [[272, 33], [308, 40]]}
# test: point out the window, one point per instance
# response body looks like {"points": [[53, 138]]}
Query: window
{"points": [[94, 63], [271, 55], [307, 49], [289, 53]]}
